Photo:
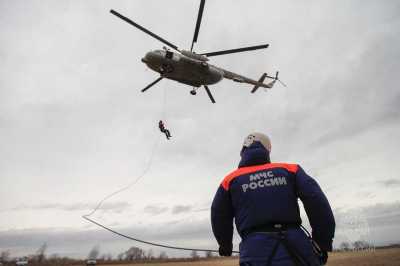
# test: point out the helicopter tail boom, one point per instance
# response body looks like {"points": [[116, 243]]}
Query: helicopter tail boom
{"points": [[257, 84]]}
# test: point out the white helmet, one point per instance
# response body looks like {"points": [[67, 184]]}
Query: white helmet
{"points": [[262, 138]]}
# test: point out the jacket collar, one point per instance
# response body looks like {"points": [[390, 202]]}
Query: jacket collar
{"points": [[256, 154]]}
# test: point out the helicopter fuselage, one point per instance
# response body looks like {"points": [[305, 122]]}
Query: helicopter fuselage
{"points": [[193, 71]]}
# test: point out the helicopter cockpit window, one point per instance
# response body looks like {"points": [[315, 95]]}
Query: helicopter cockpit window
{"points": [[169, 54]]}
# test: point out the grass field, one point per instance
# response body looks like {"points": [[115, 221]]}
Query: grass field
{"points": [[380, 257]]}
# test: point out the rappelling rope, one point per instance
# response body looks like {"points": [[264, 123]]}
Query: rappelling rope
{"points": [[163, 115], [147, 168], [149, 163]]}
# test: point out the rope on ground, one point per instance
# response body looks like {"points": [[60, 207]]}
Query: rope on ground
{"points": [[150, 243]]}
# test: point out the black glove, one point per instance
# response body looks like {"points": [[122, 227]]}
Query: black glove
{"points": [[323, 258], [225, 251]]}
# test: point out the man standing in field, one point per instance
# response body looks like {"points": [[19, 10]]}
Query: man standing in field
{"points": [[262, 198]]}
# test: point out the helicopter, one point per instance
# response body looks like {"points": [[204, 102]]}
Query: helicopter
{"points": [[191, 68]]}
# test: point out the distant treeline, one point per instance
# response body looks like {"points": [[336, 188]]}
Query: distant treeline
{"points": [[132, 255], [362, 245], [138, 255]]}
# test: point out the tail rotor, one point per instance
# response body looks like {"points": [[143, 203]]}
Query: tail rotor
{"points": [[277, 78]]}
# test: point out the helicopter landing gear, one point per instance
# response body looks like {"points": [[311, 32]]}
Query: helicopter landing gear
{"points": [[193, 91]]}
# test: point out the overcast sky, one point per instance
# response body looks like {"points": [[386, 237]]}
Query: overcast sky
{"points": [[74, 126]]}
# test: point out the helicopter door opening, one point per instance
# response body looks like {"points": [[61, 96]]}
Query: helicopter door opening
{"points": [[169, 55]]}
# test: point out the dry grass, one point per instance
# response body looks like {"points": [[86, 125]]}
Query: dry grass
{"points": [[380, 257]]}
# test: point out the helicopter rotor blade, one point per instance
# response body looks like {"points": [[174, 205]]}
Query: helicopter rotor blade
{"points": [[144, 30], [238, 50], [198, 22], [152, 84], [209, 93]]}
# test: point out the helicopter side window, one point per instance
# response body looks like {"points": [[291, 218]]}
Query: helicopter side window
{"points": [[169, 54]]}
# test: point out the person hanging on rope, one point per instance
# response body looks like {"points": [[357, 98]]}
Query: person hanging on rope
{"points": [[262, 199], [163, 129]]}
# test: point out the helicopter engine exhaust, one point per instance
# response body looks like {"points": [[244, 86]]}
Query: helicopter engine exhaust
{"points": [[194, 55]]}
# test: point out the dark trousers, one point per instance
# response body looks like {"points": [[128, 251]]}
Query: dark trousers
{"points": [[167, 133]]}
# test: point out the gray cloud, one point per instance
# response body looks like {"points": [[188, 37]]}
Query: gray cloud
{"points": [[377, 223], [390, 183], [155, 209], [181, 209], [107, 206], [365, 194], [341, 101], [383, 212]]}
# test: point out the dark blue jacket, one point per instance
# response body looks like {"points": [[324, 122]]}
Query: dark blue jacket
{"points": [[259, 193]]}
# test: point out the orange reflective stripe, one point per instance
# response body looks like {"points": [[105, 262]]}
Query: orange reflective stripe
{"points": [[246, 170]]}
